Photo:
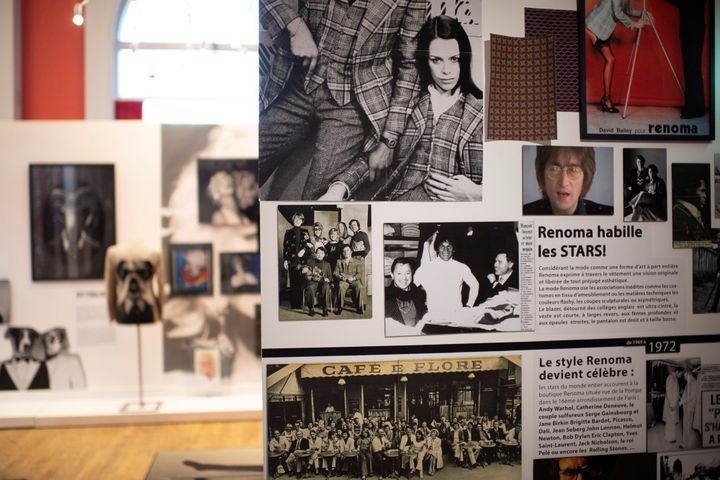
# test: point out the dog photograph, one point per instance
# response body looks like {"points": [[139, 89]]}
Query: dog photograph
{"points": [[39, 361], [72, 212]]}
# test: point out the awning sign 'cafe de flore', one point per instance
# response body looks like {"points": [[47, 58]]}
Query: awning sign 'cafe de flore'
{"points": [[426, 388]]}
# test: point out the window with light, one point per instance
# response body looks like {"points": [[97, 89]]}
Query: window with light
{"points": [[190, 61]]}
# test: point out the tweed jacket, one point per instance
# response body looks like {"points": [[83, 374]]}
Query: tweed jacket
{"points": [[601, 21], [405, 174], [354, 268], [387, 25]]}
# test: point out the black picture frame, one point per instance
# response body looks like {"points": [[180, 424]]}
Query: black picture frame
{"points": [[239, 273], [197, 282], [72, 220], [649, 118]]}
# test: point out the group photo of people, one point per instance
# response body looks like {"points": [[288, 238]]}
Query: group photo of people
{"points": [[567, 180], [371, 101], [690, 466], [451, 278], [674, 405], [324, 262], [463, 422]]}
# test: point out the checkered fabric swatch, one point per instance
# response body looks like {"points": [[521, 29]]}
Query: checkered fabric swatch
{"points": [[562, 24], [522, 89]]}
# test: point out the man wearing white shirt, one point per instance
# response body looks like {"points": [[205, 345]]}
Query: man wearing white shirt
{"points": [[442, 278]]}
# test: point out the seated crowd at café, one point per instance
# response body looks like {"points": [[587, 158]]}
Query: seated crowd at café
{"points": [[362, 447]]}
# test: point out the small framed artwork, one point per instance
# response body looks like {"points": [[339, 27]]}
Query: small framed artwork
{"points": [[644, 186], [192, 270], [690, 206], [647, 70], [72, 218], [228, 192], [207, 364], [239, 273]]}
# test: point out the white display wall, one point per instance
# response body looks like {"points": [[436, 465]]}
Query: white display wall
{"points": [[111, 364]]}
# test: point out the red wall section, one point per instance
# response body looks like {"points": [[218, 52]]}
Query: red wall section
{"points": [[653, 83], [53, 85]]}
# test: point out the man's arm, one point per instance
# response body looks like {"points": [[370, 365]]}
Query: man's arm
{"points": [[276, 15], [280, 16], [474, 285], [405, 90]]}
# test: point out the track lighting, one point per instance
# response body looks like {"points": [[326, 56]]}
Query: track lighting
{"points": [[79, 13]]}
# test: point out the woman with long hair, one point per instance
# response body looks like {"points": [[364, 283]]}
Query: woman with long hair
{"points": [[599, 25], [439, 155]]}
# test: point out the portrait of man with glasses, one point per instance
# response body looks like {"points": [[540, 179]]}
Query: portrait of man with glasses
{"points": [[564, 178]]}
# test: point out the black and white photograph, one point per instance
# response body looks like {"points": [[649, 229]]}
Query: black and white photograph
{"points": [[40, 361], [239, 273], [372, 102], [72, 213], [646, 70], [673, 403], [690, 466], [567, 180], [690, 206], [716, 175], [227, 192], [4, 301], [644, 184], [324, 262], [452, 418], [451, 278], [632, 466], [195, 325], [219, 322], [706, 276]]}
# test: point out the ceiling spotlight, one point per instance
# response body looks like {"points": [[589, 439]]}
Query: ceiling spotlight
{"points": [[79, 13]]}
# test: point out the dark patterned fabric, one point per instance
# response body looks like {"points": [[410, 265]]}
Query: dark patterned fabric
{"points": [[562, 24], [522, 89]]}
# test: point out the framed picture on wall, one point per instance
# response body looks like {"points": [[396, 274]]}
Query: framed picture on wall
{"points": [[239, 273], [227, 192], [72, 218], [646, 71], [191, 269]]}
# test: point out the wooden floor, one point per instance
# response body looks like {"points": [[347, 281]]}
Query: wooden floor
{"points": [[124, 452]]}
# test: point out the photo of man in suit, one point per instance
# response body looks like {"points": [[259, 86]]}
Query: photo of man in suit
{"points": [[331, 80]]}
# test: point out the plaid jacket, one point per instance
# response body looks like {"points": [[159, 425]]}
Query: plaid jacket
{"points": [[387, 25], [601, 21], [406, 175]]}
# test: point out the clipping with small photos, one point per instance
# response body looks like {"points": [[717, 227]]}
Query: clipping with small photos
{"points": [[451, 278]]}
